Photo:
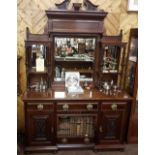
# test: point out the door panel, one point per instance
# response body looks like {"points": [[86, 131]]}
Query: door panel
{"points": [[112, 125], [40, 128]]}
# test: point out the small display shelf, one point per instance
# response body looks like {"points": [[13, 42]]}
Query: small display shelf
{"points": [[74, 54], [112, 63], [75, 126], [38, 61], [83, 58]]}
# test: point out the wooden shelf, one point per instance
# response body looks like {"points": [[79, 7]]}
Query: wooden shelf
{"points": [[33, 71], [80, 70], [111, 73], [81, 79], [72, 58]]}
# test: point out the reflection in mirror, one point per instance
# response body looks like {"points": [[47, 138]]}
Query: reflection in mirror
{"points": [[110, 58], [131, 77], [75, 47], [78, 49], [38, 51], [133, 49]]}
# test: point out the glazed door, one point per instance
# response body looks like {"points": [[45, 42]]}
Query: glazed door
{"points": [[40, 126], [76, 122], [113, 122]]}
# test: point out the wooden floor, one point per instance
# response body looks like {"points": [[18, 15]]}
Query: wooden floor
{"points": [[129, 150]]}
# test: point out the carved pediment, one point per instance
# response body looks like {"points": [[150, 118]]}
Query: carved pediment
{"points": [[63, 5], [89, 5], [86, 3]]}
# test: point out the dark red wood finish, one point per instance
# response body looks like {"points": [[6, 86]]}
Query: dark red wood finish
{"points": [[44, 109], [53, 108], [133, 125], [113, 122]]}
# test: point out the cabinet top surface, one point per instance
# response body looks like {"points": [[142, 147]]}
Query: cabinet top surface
{"points": [[60, 94]]}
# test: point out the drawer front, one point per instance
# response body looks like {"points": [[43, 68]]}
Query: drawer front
{"points": [[77, 106], [113, 106], [39, 106]]}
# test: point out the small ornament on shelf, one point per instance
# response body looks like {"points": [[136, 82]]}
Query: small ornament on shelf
{"points": [[40, 64]]}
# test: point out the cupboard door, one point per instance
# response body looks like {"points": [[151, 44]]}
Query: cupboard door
{"points": [[40, 128], [113, 123]]}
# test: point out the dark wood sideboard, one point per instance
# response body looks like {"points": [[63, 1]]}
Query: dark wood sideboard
{"points": [[55, 119]]}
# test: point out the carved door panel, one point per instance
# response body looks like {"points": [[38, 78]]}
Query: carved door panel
{"points": [[40, 128], [113, 124]]}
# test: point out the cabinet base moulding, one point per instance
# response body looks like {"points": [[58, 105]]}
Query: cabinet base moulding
{"points": [[54, 149], [41, 149], [76, 146], [114, 147]]}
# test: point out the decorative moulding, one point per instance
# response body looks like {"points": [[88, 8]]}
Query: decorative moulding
{"points": [[77, 5], [89, 5], [63, 4]]}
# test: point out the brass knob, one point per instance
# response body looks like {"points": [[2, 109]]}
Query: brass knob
{"points": [[65, 107], [64, 140], [114, 107], [40, 106], [86, 139], [100, 128], [90, 106]]}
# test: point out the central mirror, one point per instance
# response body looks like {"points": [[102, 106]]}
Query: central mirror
{"points": [[77, 47]]}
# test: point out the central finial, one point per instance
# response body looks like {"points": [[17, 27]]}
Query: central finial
{"points": [[77, 6]]}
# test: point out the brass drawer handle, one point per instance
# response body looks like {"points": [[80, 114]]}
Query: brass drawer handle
{"points": [[64, 140], [86, 139], [65, 107], [40, 106], [114, 107], [90, 106], [101, 130]]}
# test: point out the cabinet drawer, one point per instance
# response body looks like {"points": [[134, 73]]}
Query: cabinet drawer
{"points": [[39, 106], [77, 106], [113, 106]]}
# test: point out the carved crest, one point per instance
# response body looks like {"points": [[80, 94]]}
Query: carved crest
{"points": [[86, 3], [89, 5], [63, 5]]}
